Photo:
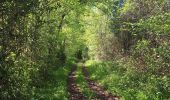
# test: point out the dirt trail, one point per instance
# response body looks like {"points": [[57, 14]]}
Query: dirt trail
{"points": [[73, 89], [101, 94], [76, 94]]}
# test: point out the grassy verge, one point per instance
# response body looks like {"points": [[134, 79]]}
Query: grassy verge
{"points": [[123, 81], [56, 86]]}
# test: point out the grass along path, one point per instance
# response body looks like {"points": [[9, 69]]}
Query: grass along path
{"points": [[119, 78], [55, 88], [101, 93]]}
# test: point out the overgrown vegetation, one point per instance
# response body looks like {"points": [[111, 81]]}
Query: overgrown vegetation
{"points": [[127, 42], [55, 88], [123, 80]]}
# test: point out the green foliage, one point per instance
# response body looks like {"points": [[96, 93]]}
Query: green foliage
{"points": [[35, 39], [121, 80], [38, 37], [55, 87]]}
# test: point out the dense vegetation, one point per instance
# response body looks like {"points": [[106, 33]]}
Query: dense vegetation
{"points": [[124, 43]]}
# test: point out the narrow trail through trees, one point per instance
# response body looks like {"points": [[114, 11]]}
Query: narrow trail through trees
{"points": [[73, 89], [76, 94]]}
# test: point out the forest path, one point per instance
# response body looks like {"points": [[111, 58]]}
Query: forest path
{"points": [[73, 89], [101, 94], [76, 94]]}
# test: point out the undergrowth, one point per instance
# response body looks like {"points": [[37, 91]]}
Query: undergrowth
{"points": [[122, 80], [55, 87]]}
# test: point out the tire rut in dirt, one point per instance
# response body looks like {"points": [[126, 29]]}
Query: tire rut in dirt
{"points": [[101, 93], [73, 89]]}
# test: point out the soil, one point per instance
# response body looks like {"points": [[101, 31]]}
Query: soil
{"points": [[76, 94], [73, 89]]}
